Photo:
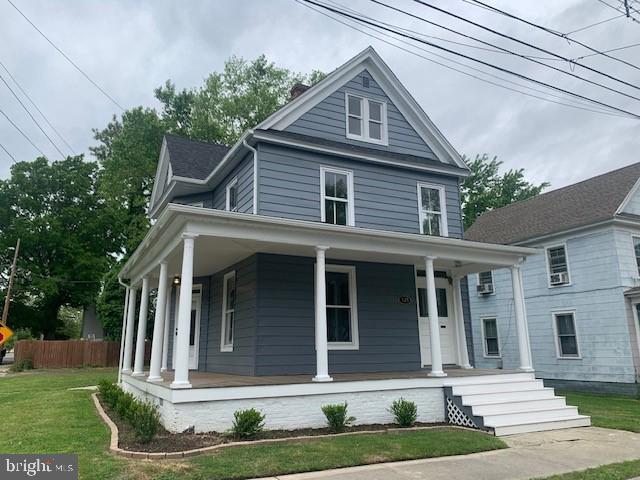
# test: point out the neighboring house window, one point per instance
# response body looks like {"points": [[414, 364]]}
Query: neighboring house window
{"points": [[336, 191], [636, 247], [567, 339], [366, 119], [432, 210], [485, 283], [342, 323], [490, 335], [232, 196], [558, 265], [228, 311]]}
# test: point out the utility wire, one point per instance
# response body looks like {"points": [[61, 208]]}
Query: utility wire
{"points": [[37, 109], [594, 25], [479, 3], [634, 19], [611, 50], [522, 42], [564, 72], [31, 116], [22, 133], [67, 58], [8, 153], [453, 52]]}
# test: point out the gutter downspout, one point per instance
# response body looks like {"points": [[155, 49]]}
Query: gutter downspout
{"points": [[124, 326], [255, 173]]}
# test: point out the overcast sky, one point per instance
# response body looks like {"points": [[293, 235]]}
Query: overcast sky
{"points": [[130, 48]]}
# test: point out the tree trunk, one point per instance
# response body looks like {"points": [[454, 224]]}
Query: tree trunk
{"points": [[50, 321]]}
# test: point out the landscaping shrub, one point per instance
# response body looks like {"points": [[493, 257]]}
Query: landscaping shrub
{"points": [[404, 412], [247, 423], [109, 393], [145, 420], [125, 405], [337, 416], [24, 364]]}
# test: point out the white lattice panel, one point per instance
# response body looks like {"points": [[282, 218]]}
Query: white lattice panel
{"points": [[456, 416]]}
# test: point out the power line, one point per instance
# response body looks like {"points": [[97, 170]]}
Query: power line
{"points": [[31, 116], [453, 52], [481, 4], [634, 19], [8, 153], [594, 25], [564, 72], [67, 57], [37, 109], [22, 133]]}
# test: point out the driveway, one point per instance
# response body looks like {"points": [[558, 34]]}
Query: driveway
{"points": [[530, 455]]}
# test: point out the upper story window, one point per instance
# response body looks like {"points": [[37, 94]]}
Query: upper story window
{"points": [[485, 283], [232, 195], [432, 209], [636, 247], [564, 324], [558, 266], [336, 192], [366, 119]]}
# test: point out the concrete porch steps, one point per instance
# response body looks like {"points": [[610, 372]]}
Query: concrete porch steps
{"points": [[516, 403]]}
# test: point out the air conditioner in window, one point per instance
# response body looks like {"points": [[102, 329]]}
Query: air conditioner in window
{"points": [[559, 278], [485, 288]]}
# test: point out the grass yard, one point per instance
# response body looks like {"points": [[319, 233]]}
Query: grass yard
{"points": [[615, 471], [42, 416], [607, 411]]}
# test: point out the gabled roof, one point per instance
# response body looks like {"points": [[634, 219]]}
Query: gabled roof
{"points": [[585, 203], [193, 158]]}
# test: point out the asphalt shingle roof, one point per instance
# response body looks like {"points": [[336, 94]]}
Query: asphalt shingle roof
{"points": [[193, 158], [580, 204]]}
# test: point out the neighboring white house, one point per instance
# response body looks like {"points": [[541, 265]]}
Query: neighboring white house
{"points": [[581, 288]]}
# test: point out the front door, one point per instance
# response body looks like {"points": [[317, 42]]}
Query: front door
{"points": [[194, 331], [446, 320]]}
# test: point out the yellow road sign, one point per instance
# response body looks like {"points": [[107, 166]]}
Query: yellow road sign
{"points": [[5, 334]]}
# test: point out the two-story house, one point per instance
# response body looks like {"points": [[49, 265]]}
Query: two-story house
{"points": [[310, 263], [581, 288]]}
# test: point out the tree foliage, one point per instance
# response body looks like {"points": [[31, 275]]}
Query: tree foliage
{"points": [[486, 189]]}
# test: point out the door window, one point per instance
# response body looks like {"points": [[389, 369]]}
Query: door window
{"points": [[441, 298]]}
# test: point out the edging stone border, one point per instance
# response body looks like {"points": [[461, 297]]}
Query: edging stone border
{"points": [[114, 448]]}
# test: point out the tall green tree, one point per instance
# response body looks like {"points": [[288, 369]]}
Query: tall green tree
{"points": [[486, 189]]}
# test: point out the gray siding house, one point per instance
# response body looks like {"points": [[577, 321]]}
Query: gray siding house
{"points": [[310, 263], [581, 288]]}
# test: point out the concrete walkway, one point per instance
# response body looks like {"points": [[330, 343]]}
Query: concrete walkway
{"points": [[530, 455]]}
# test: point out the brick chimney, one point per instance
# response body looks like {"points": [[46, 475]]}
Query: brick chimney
{"points": [[298, 89]]}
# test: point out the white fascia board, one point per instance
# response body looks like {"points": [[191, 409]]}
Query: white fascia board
{"points": [[627, 199], [158, 184]]}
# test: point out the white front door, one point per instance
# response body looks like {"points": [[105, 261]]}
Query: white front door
{"points": [[446, 319], [194, 333]]}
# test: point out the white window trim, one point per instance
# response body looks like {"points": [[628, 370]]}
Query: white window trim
{"points": [[232, 183], [556, 338], [196, 289], [354, 344], [350, 195], [566, 256], [636, 319], [493, 282], [633, 251], [226, 347], [484, 337], [443, 206], [364, 137]]}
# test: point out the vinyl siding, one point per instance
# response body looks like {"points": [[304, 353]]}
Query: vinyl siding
{"points": [[328, 120], [633, 207], [386, 197]]}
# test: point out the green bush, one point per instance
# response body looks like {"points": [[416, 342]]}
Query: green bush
{"points": [[109, 393], [247, 423], [125, 406], [145, 420], [337, 416], [24, 364], [404, 412]]}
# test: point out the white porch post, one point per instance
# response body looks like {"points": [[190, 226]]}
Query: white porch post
{"points": [[138, 366], [322, 350], [128, 339], [434, 323], [521, 320], [122, 334], [181, 367], [165, 339], [526, 317], [158, 326], [463, 353]]}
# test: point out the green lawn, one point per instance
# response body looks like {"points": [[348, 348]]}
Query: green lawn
{"points": [[615, 471], [607, 411], [43, 416]]}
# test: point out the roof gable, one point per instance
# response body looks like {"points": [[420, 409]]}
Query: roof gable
{"points": [[193, 158]]}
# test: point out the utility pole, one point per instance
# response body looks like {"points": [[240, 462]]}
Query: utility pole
{"points": [[626, 7], [5, 311]]}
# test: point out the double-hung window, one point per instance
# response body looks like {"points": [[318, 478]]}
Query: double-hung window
{"points": [[636, 247], [228, 311], [490, 335], [366, 119], [232, 196], [342, 316], [558, 266], [567, 339], [485, 283], [336, 191], [432, 210]]}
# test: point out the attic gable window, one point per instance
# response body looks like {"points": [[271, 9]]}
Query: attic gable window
{"points": [[366, 119]]}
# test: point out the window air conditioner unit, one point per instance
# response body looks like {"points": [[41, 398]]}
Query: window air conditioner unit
{"points": [[559, 278], [485, 288]]}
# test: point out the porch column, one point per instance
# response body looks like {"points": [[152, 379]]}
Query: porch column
{"points": [[181, 367], [526, 316], [166, 333], [521, 320], [322, 350], [434, 323], [128, 339], [122, 334], [158, 326], [138, 366], [463, 353]]}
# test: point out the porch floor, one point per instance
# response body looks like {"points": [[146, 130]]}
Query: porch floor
{"points": [[213, 380]]}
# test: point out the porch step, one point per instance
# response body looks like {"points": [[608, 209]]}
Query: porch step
{"points": [[481, 379], [559, 424], [517, 386], [530, 416], [514, 396], [518, 406]]}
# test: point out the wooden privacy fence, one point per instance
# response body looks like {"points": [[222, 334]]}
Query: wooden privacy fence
{"points": [[68, 353]]}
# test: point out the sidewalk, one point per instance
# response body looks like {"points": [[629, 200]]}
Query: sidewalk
{"points": [[530, 455]]}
